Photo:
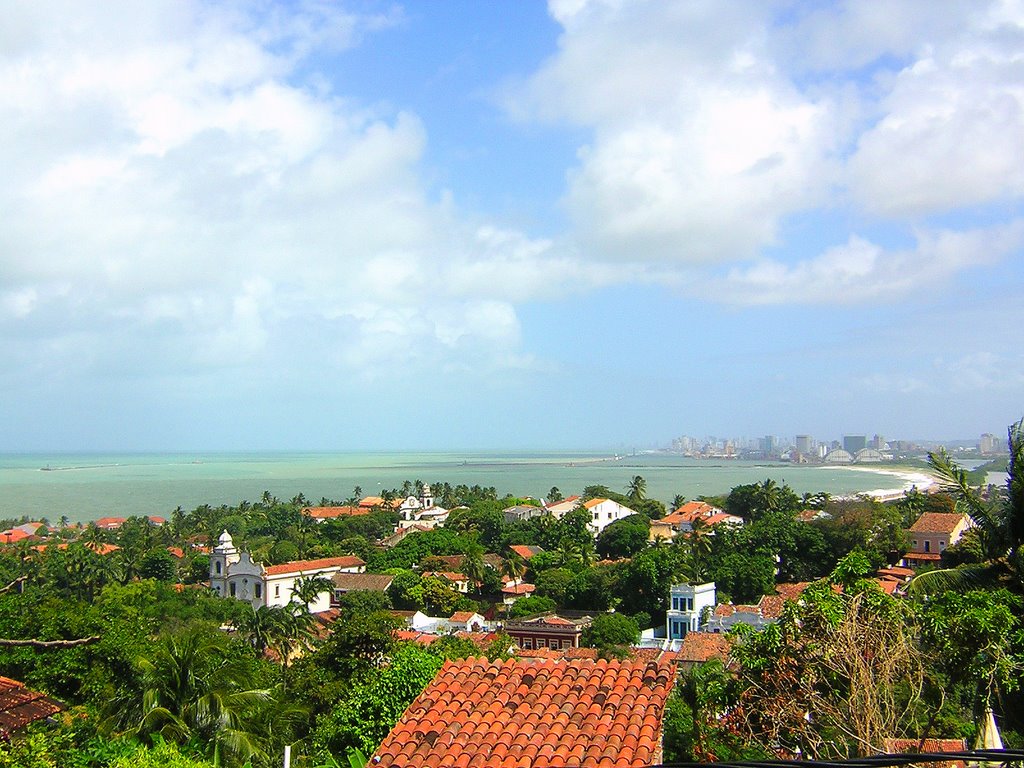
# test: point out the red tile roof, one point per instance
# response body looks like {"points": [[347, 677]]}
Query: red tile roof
{"points": [[110, 522], [512, 714], [461, 617], [325, 513], [13, 535], [937, 522], [304, 566], [526, 551], [20, 706], [910, 746], [698, 647], [519, 589]]}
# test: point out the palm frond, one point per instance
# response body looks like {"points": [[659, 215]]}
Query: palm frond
{"points": [[959, 579]]}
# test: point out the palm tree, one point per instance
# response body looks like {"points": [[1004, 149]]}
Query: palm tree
{"points": [[474, 567], [514, 566], [307, 590], [260, 627], [999, 521], [195, 687], [637, 489]]}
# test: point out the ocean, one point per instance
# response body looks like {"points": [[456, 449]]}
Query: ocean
{"points": [[84, 487]]}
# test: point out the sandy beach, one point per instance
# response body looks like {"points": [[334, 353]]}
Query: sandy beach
{"points": [[911, 479]]}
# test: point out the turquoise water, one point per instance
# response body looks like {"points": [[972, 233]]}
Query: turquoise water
{"points": [[86, 486]]}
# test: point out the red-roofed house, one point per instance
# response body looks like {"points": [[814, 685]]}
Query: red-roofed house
{"points": [[699, 647], [512, 592], [914, 746], [322, 514], [603, 714], [526, 551], [931, 533], [110, 523], [20, 706], [235, 574]]}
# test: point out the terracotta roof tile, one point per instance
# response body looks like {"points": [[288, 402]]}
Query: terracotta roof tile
{"points": [[326, 513], [937, 522], [305, 566], [20, 706], [698, 647], [502, 714]]}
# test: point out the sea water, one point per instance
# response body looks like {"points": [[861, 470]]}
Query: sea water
{"points": [[84, 487]]}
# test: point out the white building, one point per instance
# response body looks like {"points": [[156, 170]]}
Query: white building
{"points": [[686, 603], [234, 574], [604, 512], [421, 511]]}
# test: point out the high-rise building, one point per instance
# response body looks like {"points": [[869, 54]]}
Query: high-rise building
{"points": [[803, 444], [854, 443], [988, 443]]}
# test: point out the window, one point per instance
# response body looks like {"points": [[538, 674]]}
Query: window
{"points": [[675, 603], [218, 567], [232, 586], [527, 643], [688, 603], [277, 590], [927, 545], [259, 590], [942, 545]]}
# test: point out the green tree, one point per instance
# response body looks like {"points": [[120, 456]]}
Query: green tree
{"points": [[374, 705], [609, 631], [637, 489], [624, 538], [196, 687], [158, 564], [307, 590], [999, 521], [528, 606]]}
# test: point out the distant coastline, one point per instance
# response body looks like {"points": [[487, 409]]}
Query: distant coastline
{"points": [[85, 487]]}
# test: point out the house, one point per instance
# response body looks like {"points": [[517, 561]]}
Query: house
{"points": [[507, 714], [416, 620], [547, 631], [323, 514], [110, 523], [235, 574], [561, 508], [359, 582], [526, 551], [20, 706], [604, 512], [687, 603], [699, 647], [378, 502], [914, 746], [466, 621], [515, 590], [931, 533], [459, 581], [521, 512]]}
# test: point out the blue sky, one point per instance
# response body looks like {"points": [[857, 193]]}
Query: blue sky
{"points": [[470, 225]]}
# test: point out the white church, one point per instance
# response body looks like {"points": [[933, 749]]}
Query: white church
{"points": [[233, 573]]}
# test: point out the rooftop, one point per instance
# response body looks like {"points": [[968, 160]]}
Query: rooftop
{"points": [[603, 714]]}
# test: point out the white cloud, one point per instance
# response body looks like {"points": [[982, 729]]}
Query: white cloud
{"points": [[861, 271], [177, 196], [701, 145], [951, 125]]}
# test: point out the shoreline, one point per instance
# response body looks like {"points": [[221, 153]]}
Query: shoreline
{"points": [[911, 479]]}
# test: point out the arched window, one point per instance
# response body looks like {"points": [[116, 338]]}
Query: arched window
{"points": [[217, 566]]}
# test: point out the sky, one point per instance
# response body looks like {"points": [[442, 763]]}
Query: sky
{"points": [[456, 225]]}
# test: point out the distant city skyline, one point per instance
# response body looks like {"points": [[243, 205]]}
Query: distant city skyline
{"points": [[379, 225]]}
